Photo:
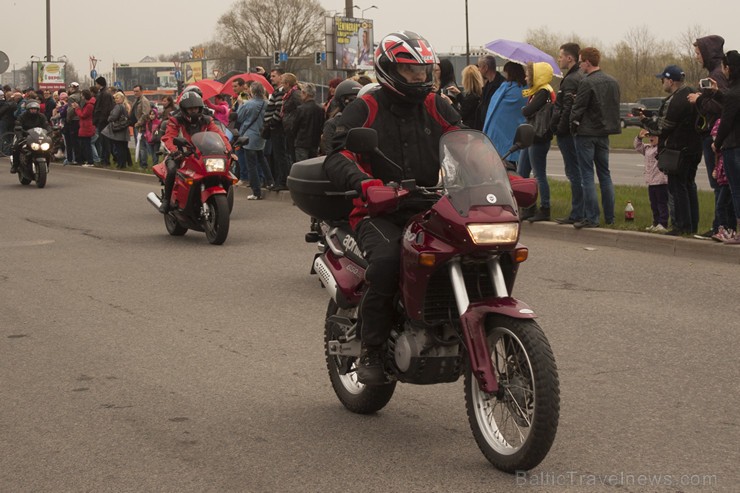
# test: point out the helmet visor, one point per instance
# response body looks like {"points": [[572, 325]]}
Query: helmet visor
{"points": [[414, 74]]}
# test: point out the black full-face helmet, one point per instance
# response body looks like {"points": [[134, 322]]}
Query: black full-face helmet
{"points": [[189, 100], [409, 49], [347, 91]]}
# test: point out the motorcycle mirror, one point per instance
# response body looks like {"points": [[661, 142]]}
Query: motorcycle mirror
{"points": [[525, 192], [523, 138], [362, 140]]}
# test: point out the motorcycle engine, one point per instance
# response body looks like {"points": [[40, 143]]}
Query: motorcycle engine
{"points": [[426, 354]]}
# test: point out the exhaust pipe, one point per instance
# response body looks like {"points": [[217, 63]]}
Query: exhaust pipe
{"points": [[327, 279], [152, 198]]}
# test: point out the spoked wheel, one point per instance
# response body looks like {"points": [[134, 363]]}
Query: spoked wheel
{"points": [[6, 144], [216, 225], [174, 228], [41, 174], [354, 395], [516, 427]]}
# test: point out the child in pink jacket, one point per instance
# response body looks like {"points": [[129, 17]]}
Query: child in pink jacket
{"points": [[656, 180]]}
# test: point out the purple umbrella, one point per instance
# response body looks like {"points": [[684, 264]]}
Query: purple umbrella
{"points": [[521, 53]]}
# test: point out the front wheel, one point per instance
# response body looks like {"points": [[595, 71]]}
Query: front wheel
{"points": [[354, 395], [41, 174], [216, 224], [516, 427]]}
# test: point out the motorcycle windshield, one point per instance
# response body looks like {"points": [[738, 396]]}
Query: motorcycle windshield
{"points": [[472, 171], [209, 143]]}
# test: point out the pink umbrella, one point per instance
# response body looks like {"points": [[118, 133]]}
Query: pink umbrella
{"points": [[209, 87], [227, 89]]}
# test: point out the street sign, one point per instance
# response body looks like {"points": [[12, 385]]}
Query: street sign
{"points": [[117, 84], [93, 74], [178, 75], [283, 56]]}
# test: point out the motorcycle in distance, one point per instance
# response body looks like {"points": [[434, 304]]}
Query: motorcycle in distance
{"points": [[202, 197], [35, 156], [455, 313]]}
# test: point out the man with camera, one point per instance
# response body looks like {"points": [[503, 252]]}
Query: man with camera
{"points": [[675, 130], [709, 52]]}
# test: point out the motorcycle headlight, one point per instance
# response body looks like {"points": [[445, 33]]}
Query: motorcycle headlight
{"points": [[45, 146], [35, 146], [215, 164], [494, 234]]}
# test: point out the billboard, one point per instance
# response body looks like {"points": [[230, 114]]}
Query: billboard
{"points": [[50, 75], [353, 48], [192, 71]]}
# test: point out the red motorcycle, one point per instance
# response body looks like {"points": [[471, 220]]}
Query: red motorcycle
{"points": [[203, 196], [456, 316]]}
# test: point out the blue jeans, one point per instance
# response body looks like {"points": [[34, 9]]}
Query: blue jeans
{"points": [[592, 150], [732, 170], [93, 143], [258, 168], [567, 145], [534, 158]]}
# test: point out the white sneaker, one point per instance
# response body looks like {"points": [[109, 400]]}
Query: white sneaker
{"points": [[88, 166], [650, 229], [659, 229], [239, 184], [254, 197]]}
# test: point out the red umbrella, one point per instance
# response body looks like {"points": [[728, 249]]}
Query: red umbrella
{"points": [[208, 87], [227, 89]]}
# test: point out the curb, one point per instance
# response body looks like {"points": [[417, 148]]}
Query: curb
{"points": [[626, 240], [634, 240]]}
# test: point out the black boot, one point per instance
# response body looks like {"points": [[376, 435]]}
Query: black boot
{"points": [[164, 207], [526, 212], [13, 168], [370, 367], [543, 214]]}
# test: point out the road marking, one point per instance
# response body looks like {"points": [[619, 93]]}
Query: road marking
{"points": [[14, 244]]}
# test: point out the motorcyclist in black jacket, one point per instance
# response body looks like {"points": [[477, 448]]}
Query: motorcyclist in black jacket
{"points": [[410, 120], [31, 118]]}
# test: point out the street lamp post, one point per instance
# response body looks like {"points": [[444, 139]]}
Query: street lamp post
{"points": [[467, 36], [48, 30], [370, 7]]}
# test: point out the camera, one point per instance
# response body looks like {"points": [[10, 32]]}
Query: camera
{"points": [[705, 83]]}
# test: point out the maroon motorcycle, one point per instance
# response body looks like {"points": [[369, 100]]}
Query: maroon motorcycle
{"points": [[456, 315]]}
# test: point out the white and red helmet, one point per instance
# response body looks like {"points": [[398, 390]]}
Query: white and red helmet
{"points": [[405, 47]]}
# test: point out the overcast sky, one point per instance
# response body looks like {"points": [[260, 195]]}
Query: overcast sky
{"points": [[130, 30]]}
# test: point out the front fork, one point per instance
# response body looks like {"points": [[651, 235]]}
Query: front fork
{"points": [[472, 319]]}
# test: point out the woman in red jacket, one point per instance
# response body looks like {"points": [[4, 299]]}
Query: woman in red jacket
{"points": [[87, 129]]}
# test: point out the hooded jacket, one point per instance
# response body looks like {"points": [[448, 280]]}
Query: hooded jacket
{"points": [[504, 116], [540, 93], [711, 49]]}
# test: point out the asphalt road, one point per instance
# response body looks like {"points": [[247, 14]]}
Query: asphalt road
{"points": [[135, 361], [626, 168]]}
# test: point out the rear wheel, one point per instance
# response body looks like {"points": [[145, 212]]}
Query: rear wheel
{"points": [[216, 225], [516, 427], [41, 174], [173, 226], [355, 396]]}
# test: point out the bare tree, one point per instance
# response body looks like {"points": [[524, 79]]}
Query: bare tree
{"points": [[261, 27]]}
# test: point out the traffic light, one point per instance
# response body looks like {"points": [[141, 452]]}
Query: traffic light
{"points": [[276, 58], [318, 58]]}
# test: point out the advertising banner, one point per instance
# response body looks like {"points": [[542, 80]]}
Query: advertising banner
{"points": [[192, 72], [354, 43], [51, 76]]}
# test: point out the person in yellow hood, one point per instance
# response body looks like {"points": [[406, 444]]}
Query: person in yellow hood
{"points": [[534, 159]]}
